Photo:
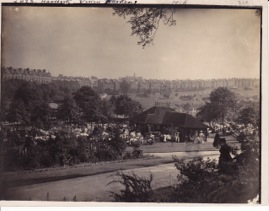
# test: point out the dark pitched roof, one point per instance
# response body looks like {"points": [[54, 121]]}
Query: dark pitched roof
{"points": [[168, 116], [153, 115], [183, 120]]}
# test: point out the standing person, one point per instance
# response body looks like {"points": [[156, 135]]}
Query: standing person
{"points": [[225, 151], [201, 137], [196, 141], [196, 138], [164, 138], [177, 137], [216, 141]]}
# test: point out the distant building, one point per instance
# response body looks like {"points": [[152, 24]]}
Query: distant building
{"points": [[35, 75], [136, 84], [76, 81]]}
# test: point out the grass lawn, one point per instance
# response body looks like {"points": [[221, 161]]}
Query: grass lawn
{"points": [[165, 147], [22, 178]]}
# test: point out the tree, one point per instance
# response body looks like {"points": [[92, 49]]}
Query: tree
{"points": [[30, 104], [69, 111], [145, 21], [249, 115], [106, 109], [124, 87], [124, 105], [90, 104], [207, 113], [17, 112], [9, 89], [41, 114], [222, 105]]}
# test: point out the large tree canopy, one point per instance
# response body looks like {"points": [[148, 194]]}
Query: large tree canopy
{"points": [[124, 105], [222, 105], [93, 108], [17, 112], [249, 114], [30, 104], [69, 111]]}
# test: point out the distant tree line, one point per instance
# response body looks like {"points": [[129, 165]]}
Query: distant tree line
{"points": [[28, 103]]}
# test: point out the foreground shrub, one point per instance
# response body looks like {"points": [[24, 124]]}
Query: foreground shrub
{"points": [[137, 152], [200, 181], [137, 189], [64, 148], [86, 150], [196, 181], [111, 148]]}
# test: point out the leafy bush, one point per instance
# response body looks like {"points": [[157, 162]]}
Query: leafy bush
{"points": [[246, 133], [86, 150], [111, 148], [200, 181], [63, 148], [197, 179], [137, 152], [137, 189], [127, 155], [203, 181]]}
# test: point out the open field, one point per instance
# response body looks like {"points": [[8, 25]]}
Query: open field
{"points": [[198, 99]]}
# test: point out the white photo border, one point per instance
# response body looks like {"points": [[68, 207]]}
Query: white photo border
{"points": [[263, 4]]}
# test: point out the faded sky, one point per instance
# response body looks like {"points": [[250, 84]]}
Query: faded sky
{"points": [[204, 44]]}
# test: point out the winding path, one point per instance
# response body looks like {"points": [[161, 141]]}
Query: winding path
{"points": [[89, 183]]}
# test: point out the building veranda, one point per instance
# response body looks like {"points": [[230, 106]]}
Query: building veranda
{"points": [[167, 121]]}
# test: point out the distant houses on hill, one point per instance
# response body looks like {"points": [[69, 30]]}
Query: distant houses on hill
{"points": [[135, 84], [37, 75]]}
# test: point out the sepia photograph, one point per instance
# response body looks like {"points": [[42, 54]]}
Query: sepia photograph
{"points": [[144, 103]]}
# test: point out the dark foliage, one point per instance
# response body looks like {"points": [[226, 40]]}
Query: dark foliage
{"points": [[23, 151], [124, 87], [145, 21], [111, 148], [137, 189], [90, 104], [137, 152], [201, 181], [69, 111], [235, 182], [249, 114], [124, 105], [27, 102], [222, 105]]}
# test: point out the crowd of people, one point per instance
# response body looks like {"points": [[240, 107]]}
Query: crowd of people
{"points": [[130, 133]]}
